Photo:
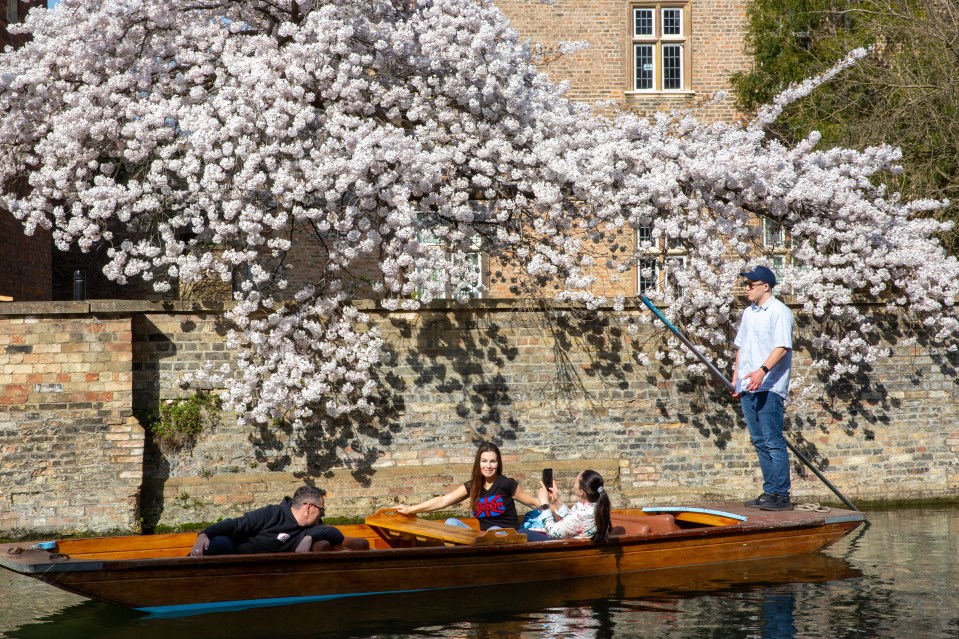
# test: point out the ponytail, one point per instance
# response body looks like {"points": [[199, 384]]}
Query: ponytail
{"points": [[592, 484]]}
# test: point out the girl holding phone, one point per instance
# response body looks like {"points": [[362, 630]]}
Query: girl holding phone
{"points": [[588, 518]]}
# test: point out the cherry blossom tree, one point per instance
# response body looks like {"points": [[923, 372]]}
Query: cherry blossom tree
{"points": [[199, 138]]}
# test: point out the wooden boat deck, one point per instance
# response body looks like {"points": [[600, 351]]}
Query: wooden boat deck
{"points": [[755, 516]]}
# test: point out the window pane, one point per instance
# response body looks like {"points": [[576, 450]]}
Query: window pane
{"points": [[779, 266], [473, 287], [672, 22], [773, 234], [672, 67], [648, 275], [642, 22], [674, 265], [645, 234], [644, 66]]}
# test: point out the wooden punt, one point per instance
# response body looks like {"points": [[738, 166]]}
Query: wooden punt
{"points": [[155, 573]]}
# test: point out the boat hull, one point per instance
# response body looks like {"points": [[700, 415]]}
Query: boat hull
{"points": [[184, 585]]}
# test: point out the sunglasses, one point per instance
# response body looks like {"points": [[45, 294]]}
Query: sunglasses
{"points": [[751, 285]]}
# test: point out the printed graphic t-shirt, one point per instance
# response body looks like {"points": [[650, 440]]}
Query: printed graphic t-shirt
{"points": [[495, 507]]}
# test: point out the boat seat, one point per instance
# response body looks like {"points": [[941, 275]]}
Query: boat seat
{"points": [[642, 524], [629, 529], [394, 525]]}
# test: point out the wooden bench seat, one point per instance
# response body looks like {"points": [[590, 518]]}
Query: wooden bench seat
{"points": [[395, 525]]}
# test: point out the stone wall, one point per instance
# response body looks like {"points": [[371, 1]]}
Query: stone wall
{"points": [[551, 389], [72, 452]]}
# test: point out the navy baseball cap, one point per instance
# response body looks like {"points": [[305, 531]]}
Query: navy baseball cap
{"points": [[761, 274]]}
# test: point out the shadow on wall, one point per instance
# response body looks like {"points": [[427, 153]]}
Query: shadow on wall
{"points": [[156, 365], [460, 358], [467, 375], [853, 404], [151, 346], [356, 440], [464, 376]]}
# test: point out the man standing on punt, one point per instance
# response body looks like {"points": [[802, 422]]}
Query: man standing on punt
{"points": [[764, 343]]}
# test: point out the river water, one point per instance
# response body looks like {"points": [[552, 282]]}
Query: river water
{"points": [[897, 577]]}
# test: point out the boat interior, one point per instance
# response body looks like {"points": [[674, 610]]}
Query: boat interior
{"points": [[388, 529]]}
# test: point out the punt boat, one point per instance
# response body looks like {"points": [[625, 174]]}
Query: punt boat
{"points": [[156, 574]]}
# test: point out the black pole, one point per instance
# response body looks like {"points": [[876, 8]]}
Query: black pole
{"points": [[732, 389], [79, 286]]}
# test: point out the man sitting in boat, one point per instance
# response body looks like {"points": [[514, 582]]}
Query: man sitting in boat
{"points": [[492, 495], [296, 525]]}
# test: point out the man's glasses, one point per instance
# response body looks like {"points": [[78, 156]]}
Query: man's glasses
{"points": [[751, 285], [322, 509]]}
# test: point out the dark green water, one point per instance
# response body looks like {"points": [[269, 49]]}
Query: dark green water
{"points": [[897, 578]]}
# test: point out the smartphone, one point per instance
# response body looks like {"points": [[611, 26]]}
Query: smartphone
{"points": [[548, 478]]}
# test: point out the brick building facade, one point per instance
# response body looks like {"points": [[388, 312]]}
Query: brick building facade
{"points": [[644, 55]]}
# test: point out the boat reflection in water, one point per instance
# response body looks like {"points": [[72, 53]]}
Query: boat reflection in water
{"points": [[569, 607]]}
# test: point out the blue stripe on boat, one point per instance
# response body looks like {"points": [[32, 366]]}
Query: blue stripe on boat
{"points": [[184, 610], [683, 509]]}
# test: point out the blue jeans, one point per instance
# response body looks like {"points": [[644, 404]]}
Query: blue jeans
{"points": [[764, 417]]}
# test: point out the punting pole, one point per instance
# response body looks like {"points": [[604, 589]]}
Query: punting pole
{"points": [[715, 371]]}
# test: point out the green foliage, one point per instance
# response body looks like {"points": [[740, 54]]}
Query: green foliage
{"points": [[905, 93], [791, 40], [180, 422]]}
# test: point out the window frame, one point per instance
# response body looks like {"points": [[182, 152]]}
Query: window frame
{"points": [[660, 255], [657, 42], [779, 241], [478, 289]]}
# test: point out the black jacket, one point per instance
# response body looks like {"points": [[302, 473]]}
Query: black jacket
{"points": [[267, 529]]}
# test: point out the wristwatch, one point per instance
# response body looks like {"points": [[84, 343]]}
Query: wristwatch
{"points": [[765, 370], [544, 507]]}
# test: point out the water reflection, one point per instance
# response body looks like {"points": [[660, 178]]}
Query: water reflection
{"points": [[562, 608], [895, 579]]}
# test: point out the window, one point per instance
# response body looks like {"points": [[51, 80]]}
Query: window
{"points": [[658, 269], [648, 275], [474, 263], [674, 264], [13, 13], [774, 243], [774, 235], [659, 48]]}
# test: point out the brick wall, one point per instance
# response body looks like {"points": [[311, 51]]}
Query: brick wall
{"points": [[550, 389], [72, 453]]}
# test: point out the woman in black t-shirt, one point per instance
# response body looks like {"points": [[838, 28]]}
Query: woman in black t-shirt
{"points": [[492, 495]]}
